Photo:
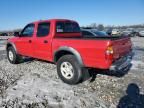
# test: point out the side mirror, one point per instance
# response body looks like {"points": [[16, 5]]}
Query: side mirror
{"points": [[16, 34]]}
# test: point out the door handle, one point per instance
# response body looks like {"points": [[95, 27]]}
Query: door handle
{"points": [[45, 41], [30, 41]]}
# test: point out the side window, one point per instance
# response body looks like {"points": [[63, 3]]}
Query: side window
{"points": [[67, 27], [60, 27], [28, 31], [87, 34], [43, 29]]}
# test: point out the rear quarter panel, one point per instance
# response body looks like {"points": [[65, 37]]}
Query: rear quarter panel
{"points": [[91, 51]]}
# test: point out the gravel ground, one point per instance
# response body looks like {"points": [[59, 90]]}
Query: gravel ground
{"points": [[35, 84]]}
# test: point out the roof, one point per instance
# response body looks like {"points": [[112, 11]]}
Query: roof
{"points": [[53, 20]]}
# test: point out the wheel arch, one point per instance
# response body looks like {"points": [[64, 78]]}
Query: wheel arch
{"points": [[9, 44], [67, 50]]}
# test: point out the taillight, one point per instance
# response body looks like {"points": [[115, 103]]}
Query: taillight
{"points": [[109, 52]]}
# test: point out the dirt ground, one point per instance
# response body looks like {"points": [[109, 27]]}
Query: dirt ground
{"points": [[35, 84]]}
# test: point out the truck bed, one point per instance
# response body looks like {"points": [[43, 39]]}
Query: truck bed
{"points": [[93, 50]]}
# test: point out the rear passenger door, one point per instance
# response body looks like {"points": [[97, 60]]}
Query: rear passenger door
{"points": [[42, 41]]}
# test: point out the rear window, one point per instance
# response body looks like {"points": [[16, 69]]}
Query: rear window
{"points": [[67, 27]]}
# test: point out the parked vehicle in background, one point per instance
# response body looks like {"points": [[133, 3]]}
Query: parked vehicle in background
{"points": [[127, 33], [60, 41], [4, 34], [93, 33], [130, 32], [109, 31], [141, 34], [115, 32]]}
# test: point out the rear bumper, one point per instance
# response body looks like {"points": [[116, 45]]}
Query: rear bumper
{"points": [[122, 63]]}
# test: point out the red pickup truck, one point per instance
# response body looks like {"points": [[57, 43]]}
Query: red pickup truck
{"points": [[60, 41]]}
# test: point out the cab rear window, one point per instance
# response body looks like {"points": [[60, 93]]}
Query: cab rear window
{"points": [[67, 27]]}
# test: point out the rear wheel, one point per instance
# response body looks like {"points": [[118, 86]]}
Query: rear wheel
{"points": [[69, 69], [12, 56]]}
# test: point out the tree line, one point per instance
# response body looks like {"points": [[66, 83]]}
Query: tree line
{"points": [[101, 27]]}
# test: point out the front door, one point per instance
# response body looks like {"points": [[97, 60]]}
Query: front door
{"points": [[25, 41]]}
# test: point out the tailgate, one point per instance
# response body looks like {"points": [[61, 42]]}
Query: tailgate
{"points": [[121, 47]]}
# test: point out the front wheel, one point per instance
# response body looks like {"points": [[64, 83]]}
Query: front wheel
{"points": [[69, 69], [12, 56]]}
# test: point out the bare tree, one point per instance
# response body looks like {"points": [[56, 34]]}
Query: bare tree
{"points": [[100, 27], [93, 25]]}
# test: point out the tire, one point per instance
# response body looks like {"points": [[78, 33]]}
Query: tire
{"points": [[12, 56], [69, 70]]}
